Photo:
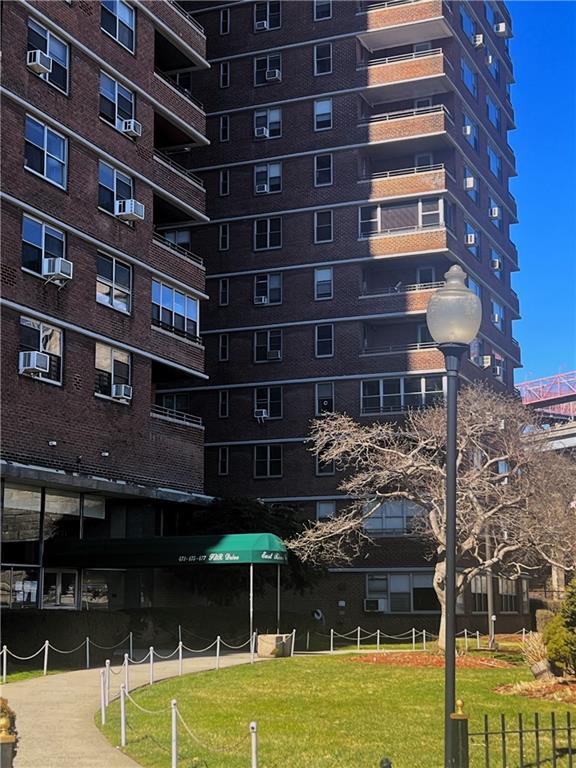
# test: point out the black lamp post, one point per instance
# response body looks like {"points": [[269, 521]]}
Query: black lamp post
{"points": [[454, 315]]}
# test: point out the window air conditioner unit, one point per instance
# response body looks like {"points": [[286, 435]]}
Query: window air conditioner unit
{"points": [[273, 354], [496, 264], [260, 26], [502, 29], [262, 133], [467, 130], [494, 213], [478, 40], [496, 318], [486, 361], [57, 268], [489, 59], [132, 128], [122, 392], [261, 189], [373, 605], [260, 299], [39, 62], [260, 413], [497, 370], [272, 74], [33, 363], [471, 239], [129, 210], [469, 182]]}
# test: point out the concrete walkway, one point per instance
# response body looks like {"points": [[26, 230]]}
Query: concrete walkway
{"points": [[55, 714]]}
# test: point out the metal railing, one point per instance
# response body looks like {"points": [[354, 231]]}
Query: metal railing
{"points": [[176, 331], [184, 91], [401, 288], [180, 168], [391, 348], [169, 413], [178, 248], [401, 230], [366, 5], [401, 57], [187, 16], [403, 172], [416, 112], [375, 410]]}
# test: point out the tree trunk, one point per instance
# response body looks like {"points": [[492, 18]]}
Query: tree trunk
{"points": [[440, 589]]}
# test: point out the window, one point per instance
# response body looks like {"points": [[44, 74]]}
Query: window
{"points": [[224, 127], [323, 230], [271, 119], [41, 337], [118, 19], [471, 184], [268, 288], [493, 112], [174, 311], [268, 178], [116, 102], [267, 14], [495, 163], [113, 186], [472, 240], [494, 212], [381, 219], [391, 395], [269, 399], [181, 238], [325, 510], [467, 24], [267, 346], [225, 21], [324, 345], [41, 39], [60, 589], [223, 347], [425, 275], [508, 595], [479, 590], [430, 212], [403, 592], [113, 283], [424, 103], [470, 131], [489, 13], [45, 152], [322, 10], [424, 160], [223, 404], [496, 264], [493, 64], [469, 77], [267, 69], [224, 183], [324, 397], [19, 586], [223, 237], [322, 114], [324, 467], [323, 283], [39, 242], [267, 234], [267, 461], [224, 74], [223, 460], [391, 517], [474, 287], [500, 367], [322, 170], [323, 59], [497, 315], [223, 291], [175, 401], [112, 367]]}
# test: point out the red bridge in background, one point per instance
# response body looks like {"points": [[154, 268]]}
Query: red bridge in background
{"points": [[553, 394]]}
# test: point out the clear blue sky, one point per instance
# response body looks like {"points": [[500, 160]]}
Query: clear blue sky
{"points": [[544, 97]]}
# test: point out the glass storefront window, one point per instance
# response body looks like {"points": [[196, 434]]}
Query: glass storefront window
{"points": [[21, 513], [62, 515], [19, 587], [60, 589]]}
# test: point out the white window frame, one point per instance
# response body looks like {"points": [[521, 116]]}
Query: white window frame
{"points": [[316, 226], [269, 448], [45, 229], [132, 27], [497, 309], [319, 411], [327, 505], [265, 168], [327, 127], [267, 19], [259, 113], [317, 73], [319, 3], [317, 283], [113, 354], [256, 69], [117, 89], [324, 469], [49, 36], [128, 180], [474, 138], [259, 279], [264, 402], [324, 341], [267, 247], [268, 333], [113, 285], [64, 162], [508, 591], [330, 170], [43, 330]]}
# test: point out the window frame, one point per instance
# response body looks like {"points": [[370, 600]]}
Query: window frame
{"points": [[317, 283], [329, 170], [223, 292], [224, 129], [259, 279], [269, 447], [184, 333], [223, 403], [224, 183], [265, 168], [31, 323], [259, 113], [467, 69], [317, 59], [223, 347], [224, 75], [330, 101], [42, 248], [319, 3], [256, 234], [113, 285], [117, 86], [256, 69], [267, 3], [320, 411], [268, 400], [44, 149], [223, 461], [271, 333], [115, 37], [224, 21], [224, 236], [331, 341], [49, 36], [113, 352], [317, 241], [128, 180]]}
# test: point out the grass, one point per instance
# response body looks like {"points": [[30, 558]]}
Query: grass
{"points": [[327, 712], [27, 674]]}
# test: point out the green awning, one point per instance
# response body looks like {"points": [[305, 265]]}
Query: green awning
{"points": [[167, 551]]}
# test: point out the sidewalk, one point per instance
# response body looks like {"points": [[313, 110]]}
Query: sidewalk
{"points": [[55, 714]]}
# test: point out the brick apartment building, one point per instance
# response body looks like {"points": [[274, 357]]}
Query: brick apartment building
{"points": [[100, 304], [356, 150]]}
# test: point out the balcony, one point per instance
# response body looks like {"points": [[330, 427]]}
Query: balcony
{"points": [[159, 411], [407, 124], [183, 24], [400, 22], [183, 183], [407, 181], [396, 349], [399, 242], [401, 298], [179, 101], [406, 76]]}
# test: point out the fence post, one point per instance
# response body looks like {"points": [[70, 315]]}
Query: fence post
{"points": [[103, 696], [358, 638], [4, 662], [477, 639], [254, 744], [122, 715], [331, 641], [46, 646], [523, 635], [87, 653], [151, 666], [179, 633], [308, 640], [252, 647], [218, 652], [460, 736], [174, 750], [377, 640], [423, 639], [107, 668], [130, 645], [180, 658], [466, 640], [413, 638], [126, 665], [293, 643]]}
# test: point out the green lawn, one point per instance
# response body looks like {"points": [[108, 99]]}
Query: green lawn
{"points": [[26, 674], [317, 712]]}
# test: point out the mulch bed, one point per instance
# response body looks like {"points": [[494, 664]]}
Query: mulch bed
{"points": [[560, 689], [422, 659]]}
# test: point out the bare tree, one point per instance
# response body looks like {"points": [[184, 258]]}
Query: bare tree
{"points": [[504, 482]]}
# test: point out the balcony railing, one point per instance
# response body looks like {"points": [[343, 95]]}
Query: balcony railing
{"points": [[400, 230], [178, 248], [376, 410], [395, 348], [367, 5], [403, 172], [180, 168], [400, 57], [168, 413], [416, 112], [187, 16], [391, 290], [179, 332], [184, 91]]}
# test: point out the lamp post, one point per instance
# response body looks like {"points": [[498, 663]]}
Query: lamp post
{"points": [[454, 315]]}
